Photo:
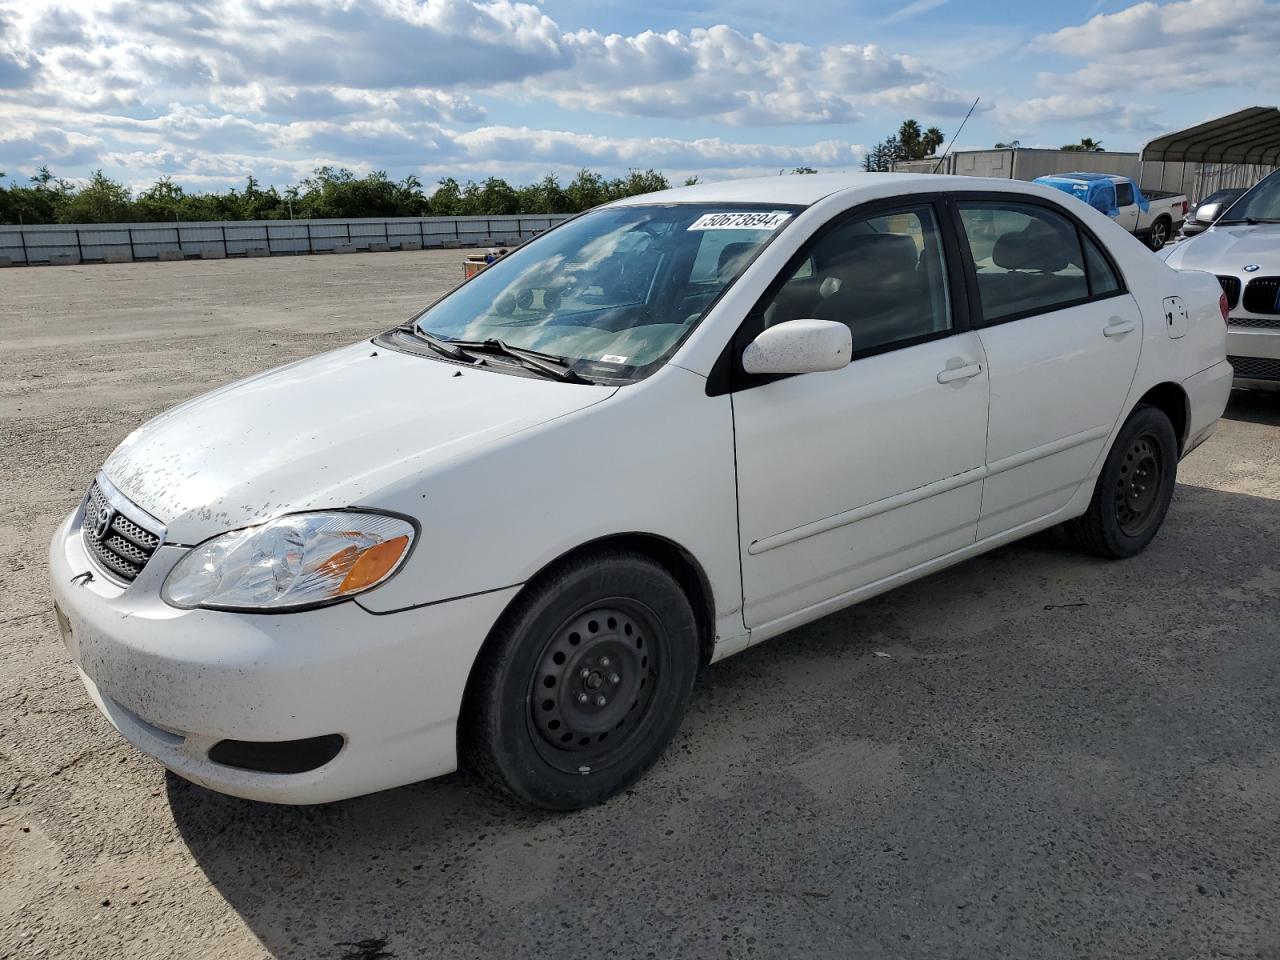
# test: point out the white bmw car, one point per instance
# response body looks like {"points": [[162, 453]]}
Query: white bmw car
{"points": [[1243, 249], [509, 533]]}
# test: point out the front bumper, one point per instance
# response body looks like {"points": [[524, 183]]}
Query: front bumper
{"points": [[1255, 343], [177, 682]]}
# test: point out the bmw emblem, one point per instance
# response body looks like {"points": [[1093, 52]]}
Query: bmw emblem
{"points": [[103, 522], [1253, 268]]}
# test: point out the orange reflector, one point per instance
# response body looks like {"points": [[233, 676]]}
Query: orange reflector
{"points": [[374, 564]]}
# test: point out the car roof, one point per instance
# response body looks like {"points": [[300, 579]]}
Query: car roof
{"points": [[808, 188], [1085, 177]]}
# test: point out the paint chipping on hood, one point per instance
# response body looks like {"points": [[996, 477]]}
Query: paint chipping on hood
{"points": [[327, 432]]}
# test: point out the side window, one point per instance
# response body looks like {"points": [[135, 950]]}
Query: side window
{"points": [[883, 276], [1124, 194], [1028, 259], [1102, 279]]}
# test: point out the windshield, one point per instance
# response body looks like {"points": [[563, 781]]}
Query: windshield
{"points": [[1260, 203], [613, 291]]}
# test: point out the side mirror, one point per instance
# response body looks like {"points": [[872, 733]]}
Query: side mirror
{"points": [[799, 346], [1208, 212]]}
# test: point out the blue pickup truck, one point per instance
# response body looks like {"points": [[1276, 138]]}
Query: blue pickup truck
{"points": [[1151, 216]]}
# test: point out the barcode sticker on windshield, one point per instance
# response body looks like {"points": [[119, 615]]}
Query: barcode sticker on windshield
{"points": [[740, 221], [612, 358]]}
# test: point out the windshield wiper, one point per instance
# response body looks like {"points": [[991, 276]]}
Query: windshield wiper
{"points": [[443, 347], [1251, 221], [544, 363]]}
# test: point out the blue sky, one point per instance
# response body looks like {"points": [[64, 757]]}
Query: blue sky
{"points": [[210, 92]]}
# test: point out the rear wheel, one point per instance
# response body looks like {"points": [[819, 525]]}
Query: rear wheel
{"points": [[1134, 489], [1159, 235], [584, 682]]}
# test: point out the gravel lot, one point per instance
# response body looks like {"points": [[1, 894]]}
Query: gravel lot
{"points": [[1058, 757]]}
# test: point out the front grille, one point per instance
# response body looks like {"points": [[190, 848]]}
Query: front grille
{"points": [[1260, 295], [119, 545], [1264, 323], [1256, 368], [1231, 287]]}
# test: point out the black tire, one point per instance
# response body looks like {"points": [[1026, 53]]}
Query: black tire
{"points": [[1134, 489], [583, 682], [1159, 235]]}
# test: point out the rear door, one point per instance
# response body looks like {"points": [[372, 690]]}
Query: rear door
{"points": [[1061, 336]]}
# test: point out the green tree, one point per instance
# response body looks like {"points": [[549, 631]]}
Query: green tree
{"points": [[327, 192], [447, 200], [544, 196], [163, 200], [1012, 144], [41, 201], [496, 197], [102, 200], [1086, 145], [881, 157], [916, 144], [804, 170], [586, 190]]}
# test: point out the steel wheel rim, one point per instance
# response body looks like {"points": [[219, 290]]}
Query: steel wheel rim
{"points": [[618, 662], [1139, 485]]}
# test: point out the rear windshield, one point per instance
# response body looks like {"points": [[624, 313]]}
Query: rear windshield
{"points": [[614, 291]]}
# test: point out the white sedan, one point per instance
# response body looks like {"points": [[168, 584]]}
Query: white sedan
{"points": [[509, 533]]}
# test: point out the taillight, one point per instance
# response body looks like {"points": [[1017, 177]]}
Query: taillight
{"points": [[1222, 306]]}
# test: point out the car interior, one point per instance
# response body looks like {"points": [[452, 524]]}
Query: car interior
{"points": [[1032, 267], [882, 277]]}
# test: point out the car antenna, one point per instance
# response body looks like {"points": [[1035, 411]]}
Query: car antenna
{"points": [[957, 134]]}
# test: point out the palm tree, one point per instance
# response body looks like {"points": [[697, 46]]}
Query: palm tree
{"points": [[1086, 145]]}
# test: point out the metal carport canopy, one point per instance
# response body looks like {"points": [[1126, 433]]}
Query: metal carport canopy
{"points": [[1251, 135]]}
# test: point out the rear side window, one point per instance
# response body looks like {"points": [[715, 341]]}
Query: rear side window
{"points": [[1030, 260], [1102, 278], [1124, 194]]}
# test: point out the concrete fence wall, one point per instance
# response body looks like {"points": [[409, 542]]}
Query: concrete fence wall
{"points": [[115, 242]]}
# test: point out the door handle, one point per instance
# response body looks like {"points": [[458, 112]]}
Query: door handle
{"points": [[1118, 328], [963, 372]]}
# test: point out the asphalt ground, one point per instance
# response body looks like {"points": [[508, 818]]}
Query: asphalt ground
{"points": [[1035, 754]]}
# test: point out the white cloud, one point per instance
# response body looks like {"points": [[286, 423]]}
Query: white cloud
{"points": [[284, 55], [206, 90], [721, 74], [577, 149], [913, 9], [1184, 46], [1091, 114]]}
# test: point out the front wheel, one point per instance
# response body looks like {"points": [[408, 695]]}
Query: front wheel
{"points": [[1134, 489], [1159, 235], [583, 683]]}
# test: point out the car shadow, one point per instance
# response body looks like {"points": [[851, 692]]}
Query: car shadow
{"points": [[1254, 406], [1032, 747]]}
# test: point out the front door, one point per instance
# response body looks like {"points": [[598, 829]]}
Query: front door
{"points": [[1062, 338], [848, 477], [1127, 216]]}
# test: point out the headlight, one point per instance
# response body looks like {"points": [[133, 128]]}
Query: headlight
{"points": [[295, 561]]}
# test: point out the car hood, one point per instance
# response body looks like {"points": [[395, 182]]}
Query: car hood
{"points": [[1230, 249], [326, 432]]}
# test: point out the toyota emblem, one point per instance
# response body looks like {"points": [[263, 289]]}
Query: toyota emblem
{"points": [[103, 523], [1253, 268]]}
